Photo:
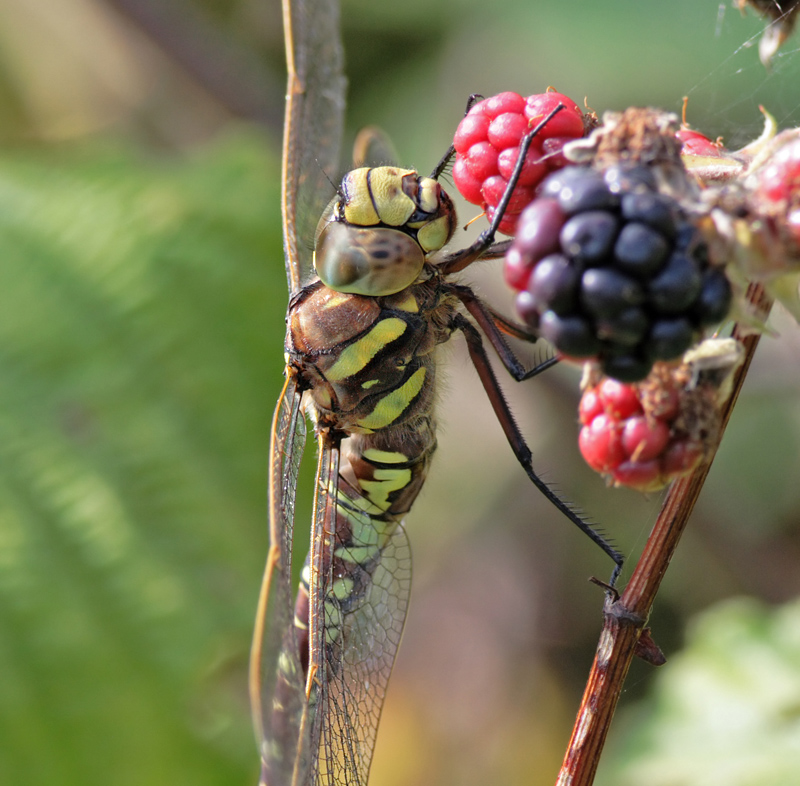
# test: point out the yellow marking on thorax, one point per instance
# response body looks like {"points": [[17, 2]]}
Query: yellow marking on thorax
{"points": [[385, 482], [336, 299], [434, 234], [354, 358], [393, 404], [409, 304]]}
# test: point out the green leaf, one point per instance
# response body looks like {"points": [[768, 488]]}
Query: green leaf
{"points": [[141, 298]]}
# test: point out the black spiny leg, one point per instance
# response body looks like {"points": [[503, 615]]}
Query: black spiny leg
{"points": [[494, 326], [445, 159], [521, 450]]}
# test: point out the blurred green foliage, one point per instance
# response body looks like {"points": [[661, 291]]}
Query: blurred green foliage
{"points": [[726, 710], [142, 298], [134, 400]]}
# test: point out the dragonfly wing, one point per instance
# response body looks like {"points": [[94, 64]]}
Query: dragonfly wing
{"points": [[362, 604], [357, 686], [373, 148], [277, 685], [315, 102]]}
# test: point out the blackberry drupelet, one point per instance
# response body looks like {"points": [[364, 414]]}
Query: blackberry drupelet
{"points": [[487, 145], [607, 267]]}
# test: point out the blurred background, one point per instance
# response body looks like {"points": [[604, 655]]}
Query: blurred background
{"points": [[142, 297]]}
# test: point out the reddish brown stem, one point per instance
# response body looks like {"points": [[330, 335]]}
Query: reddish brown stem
{"points": [[625, 618]]}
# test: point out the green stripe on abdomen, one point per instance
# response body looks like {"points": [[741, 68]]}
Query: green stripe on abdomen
{"points": [[383, 482]]}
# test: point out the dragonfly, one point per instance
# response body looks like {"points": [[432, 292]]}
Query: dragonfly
{"points": [[371, 297]]}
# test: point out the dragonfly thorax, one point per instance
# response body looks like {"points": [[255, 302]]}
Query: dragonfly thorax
{"points": [[375, 235]]}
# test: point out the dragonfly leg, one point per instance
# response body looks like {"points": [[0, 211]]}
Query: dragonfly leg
{"points": [[445, 159], [497, 250], [495, 326], [480, 360]]}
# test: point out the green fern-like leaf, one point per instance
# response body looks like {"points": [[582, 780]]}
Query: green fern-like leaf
{"points": [[142, 302]]}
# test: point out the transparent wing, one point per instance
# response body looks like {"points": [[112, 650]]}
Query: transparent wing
{"points": [[315, 100], [320, 731], [277, 685], [362, 604], [373, 148]]}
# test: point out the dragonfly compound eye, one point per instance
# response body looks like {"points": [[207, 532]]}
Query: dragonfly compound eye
{"points": [[373, 238], [372, 261]]}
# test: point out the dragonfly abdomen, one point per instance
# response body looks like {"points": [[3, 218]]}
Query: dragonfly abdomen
{"points": [[366, 368]]}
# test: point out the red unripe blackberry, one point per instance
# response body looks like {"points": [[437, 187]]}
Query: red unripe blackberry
{"points": [[778, 183], [697, 144], [506, 130], [502, 102], [567, 123], [487, 148], [468, 184], [481, 161], [600, 442], [619, 400], [590, 406], [643, 476], [681, 457], [780, 179], [624, 439], [533, 171], [643, 439], [645, 435], [472, 129]]}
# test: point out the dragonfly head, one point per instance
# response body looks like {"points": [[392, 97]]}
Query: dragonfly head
{"points": [[376, 233]]}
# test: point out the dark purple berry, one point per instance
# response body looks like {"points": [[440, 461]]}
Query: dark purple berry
{"points": [[605, 292], [589, 237], [578, 189], [538, 228], [554, 183], [676, 287], [640, 250], [621, 178], [611, 268], [699, 253], [527, 309], [572, 336], [715, 297], [625, 329], [652, 209], [690, 241], [626, 368], [669, 338], [554, 284], [686, 237]]}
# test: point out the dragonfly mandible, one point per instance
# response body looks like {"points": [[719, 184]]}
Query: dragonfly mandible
{"points": [[360, 367]]}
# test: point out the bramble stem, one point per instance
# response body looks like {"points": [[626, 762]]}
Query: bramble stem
{"points": [[625, 618]]}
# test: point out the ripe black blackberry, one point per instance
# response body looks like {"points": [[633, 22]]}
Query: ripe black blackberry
{"points": [[610, 268]]}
